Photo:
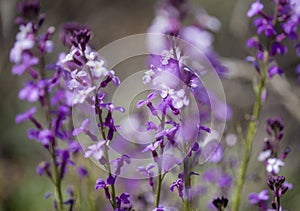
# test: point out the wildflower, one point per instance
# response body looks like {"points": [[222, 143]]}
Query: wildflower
{"points": [[256, 7], [273, 165], [96, 150], [81, 95]]}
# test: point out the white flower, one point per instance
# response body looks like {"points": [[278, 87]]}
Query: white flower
{"points": [[264, 155], [273, 165], [179, 99], [19, 46], [167, 55], [96, 150], [97, 68], [90, 55], [166, 91], [24, 30], [81, 95], [148, 76], [69, 56]]}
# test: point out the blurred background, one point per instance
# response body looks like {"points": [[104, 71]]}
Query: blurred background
{"points": [[22, 189]]}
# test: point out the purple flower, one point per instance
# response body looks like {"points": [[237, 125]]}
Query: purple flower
{"points": [[44, 169], [26, 115], [46, 137], [124, 198], [30, 92], [253, 42], [119, 163], [82, 172], [224, 181], [24, 41], [29, 9], [256, 7], [273, 70], [153, 146], [257, 198], [148, 102], [266, 26], [147, 172], [100, 183], [179, 184], [27, 62], [277, 185], [278, 48], [275, 127], [82, 128]]}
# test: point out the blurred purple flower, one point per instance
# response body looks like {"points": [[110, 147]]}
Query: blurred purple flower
{"points": [[256, 7]]}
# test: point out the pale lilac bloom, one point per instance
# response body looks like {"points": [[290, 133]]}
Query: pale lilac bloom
{"points": [[81, 95], [149, 75], [179, 99], [264, 155], [224, 181], [256, 7], [255, 198], [152, 146], [26, 115], [97, 68], [45, 137], [30, 92], [76, 79], [27, 62], [96, 150], [23, 42], [69, 56], [146, 171], [82, 128], [199, 38], [119, 163], [273, 165]]}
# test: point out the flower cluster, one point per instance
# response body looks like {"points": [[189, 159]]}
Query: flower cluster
{"points": [[273, 161], [172, 18], [184, 120], [87, 77], [180, 99], [276, 27], [45, 86]]}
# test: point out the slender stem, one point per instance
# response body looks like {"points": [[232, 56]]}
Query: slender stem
{"points": [[112, 187], [277, 202], [252, 127], [160, 176], [47, 109], [158, 190], [57, 181], [187, 184]]}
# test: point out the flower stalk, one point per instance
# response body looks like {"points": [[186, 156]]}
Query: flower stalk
{"points": [[252, 127]]}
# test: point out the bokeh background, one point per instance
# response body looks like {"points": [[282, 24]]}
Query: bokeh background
{"points": [[22, 189]]}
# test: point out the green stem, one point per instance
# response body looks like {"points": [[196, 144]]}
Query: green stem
{"points": [[158, 190], [58, 192], [252, 127], [47, 108], [187, 184], [160, 176]]}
